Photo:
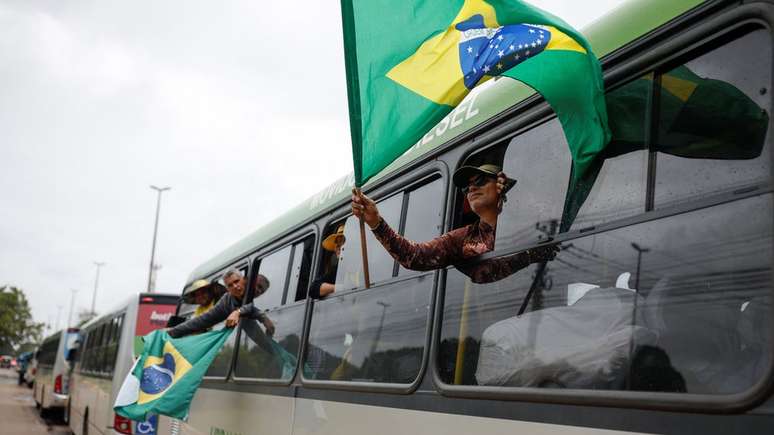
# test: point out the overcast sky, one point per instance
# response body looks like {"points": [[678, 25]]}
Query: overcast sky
{"points": [[239, 106]]}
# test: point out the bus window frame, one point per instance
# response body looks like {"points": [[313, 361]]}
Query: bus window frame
{"points": [[657, 58], [397, 184], [291, 240]]}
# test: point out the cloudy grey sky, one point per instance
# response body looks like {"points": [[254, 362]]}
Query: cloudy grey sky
{"points": [[239, 106]]}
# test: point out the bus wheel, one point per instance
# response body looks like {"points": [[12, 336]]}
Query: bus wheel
{"points": [[66, 414]]}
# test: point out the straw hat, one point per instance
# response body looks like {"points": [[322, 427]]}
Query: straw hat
{"points": [[334, 240], [203, 285]]}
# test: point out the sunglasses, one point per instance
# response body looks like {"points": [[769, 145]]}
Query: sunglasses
{"points": [[479, 181]]}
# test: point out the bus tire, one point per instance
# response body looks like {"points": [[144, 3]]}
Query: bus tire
{"points": [[66, 414], [35, 396]]}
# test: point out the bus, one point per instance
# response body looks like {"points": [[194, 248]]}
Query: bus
{"points": [[655, 316], [53, 360], [109, 345]]}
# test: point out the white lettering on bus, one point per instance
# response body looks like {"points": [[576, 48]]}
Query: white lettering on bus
{"points": [[451, 121], [333, 190], [159, 317]]}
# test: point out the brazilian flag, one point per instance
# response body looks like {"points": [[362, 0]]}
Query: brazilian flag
{"points": [[409, 63], [165, 377]]}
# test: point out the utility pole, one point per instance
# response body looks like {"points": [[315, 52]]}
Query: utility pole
{"points": [[159, 191], [640, 250], [58, 316], [96, 284], [72, 305]]}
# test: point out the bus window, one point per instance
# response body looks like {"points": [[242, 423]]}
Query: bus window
{"points": [[618, 188], [275, 269], [381, 266], [666, 305], [540, 162], [332, 243], [423, 216], [111, 349], [220, 366], [96, 354], [300, 269], [713, 121], [269, 347], [378, 335]]}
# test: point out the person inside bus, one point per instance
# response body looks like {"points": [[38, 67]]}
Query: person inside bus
{"points": [[325, 283], [229, 308], [204, 294], [485, 188]]}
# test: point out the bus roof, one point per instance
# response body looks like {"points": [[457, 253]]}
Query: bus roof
{"points": [[161, 298], [612, 31]]}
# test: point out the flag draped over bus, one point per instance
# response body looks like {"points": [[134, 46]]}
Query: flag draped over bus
{"points": [[165, 377], [410, 63]]}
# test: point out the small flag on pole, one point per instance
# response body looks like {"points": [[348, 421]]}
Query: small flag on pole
{"points": [[165, 377]]}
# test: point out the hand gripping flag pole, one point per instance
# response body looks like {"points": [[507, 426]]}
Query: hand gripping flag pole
{"points": [[363, 246]]}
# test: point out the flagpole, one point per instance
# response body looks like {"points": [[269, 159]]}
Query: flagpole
{"points": [[363, 247]]}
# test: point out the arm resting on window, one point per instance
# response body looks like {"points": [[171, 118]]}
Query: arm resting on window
{"points": [[434, 254], [217, 314], [499, 268]]}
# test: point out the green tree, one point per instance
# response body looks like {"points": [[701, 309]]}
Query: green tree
{"points": [[17, 327]]}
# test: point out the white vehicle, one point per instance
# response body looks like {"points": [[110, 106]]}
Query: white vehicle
{"points": [[52, 368], [109, 344]]}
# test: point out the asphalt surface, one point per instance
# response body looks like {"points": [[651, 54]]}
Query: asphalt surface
{"points": [[18, 415]]}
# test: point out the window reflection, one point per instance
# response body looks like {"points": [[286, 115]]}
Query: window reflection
{"points": [[271, 357], [668, 305], [222, 362], [274, 268], [540, 160], [713, 121], [376, 335], [349, 274]]}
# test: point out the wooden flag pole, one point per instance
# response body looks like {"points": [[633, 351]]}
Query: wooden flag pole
{"points": [[363, 247]]}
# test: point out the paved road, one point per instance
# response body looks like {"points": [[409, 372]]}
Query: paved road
{"points": [[18, 415]]}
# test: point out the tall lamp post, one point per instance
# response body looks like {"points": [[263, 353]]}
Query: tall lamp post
{"points": [[96, 284], [58, 316], [640, 250], [159, 190], [72, 305]]}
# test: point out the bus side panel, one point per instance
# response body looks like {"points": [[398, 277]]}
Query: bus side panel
{"points": [[44, 386], [230, 412], [318, 417], [92, 393]]}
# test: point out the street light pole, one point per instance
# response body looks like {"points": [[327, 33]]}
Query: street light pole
{"points": [[96, 284], [159, 190], [72, 305], [58, 316], [640, 250]]}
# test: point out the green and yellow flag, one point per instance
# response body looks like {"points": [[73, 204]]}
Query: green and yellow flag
{"points": [[165, 377], [410, 63]]}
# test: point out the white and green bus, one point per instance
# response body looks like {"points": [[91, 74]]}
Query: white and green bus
{"points": [[109, 344], [655, 317]]}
